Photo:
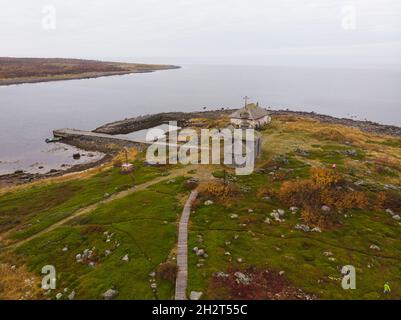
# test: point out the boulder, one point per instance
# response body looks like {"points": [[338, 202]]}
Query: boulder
{"points": [[302, 227], [396, 217], [195, 295], [71, 296], [326, 208], [110, 294], [242, 278]]}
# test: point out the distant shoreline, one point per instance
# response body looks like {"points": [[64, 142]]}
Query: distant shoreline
{"points": [[15, 71]]}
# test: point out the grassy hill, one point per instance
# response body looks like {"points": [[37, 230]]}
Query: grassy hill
{"points": [[283, 232]]}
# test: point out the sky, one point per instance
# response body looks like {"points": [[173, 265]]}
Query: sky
{"points": [[266, 32]]}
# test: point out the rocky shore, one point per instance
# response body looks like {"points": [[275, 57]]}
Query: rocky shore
{"points": [[148, 121]]}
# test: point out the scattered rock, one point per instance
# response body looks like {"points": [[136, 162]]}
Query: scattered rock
{"points": [[71, 296], [208, 202], [389, 211], [326, 208], [125, 258], [281, 272], [302, 227], [195, 295], [234, 216], [396, 217], [316, 229], [242, 278], [110, 294], [328, 254], [239, 260], [59, 296], [65, 249], [267, 220], [152, 274], [294, 209], [374, 247]]}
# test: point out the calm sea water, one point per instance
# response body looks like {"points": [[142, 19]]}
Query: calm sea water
{"points": [[29, 112]]}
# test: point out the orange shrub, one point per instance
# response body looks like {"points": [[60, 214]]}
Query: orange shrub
{"points": [[325, 177], [218, 190]]}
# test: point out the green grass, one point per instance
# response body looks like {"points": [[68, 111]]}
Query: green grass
{"points": [[144, 226], [39, 207]]}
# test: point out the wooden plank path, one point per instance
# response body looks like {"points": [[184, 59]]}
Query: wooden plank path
{"points": [[182, 252]]}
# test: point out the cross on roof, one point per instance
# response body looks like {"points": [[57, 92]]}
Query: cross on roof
{"points": [[246, 100]]}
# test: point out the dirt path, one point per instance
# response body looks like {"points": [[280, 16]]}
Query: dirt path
{"points": [[182, 252], [173, 174]]}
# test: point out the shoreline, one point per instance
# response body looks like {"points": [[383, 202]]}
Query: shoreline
{"points": [[82, 76], [148, 121]]}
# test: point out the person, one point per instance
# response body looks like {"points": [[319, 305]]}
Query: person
{"points": [[387, 288]]}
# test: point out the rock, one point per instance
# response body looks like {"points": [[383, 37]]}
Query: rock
{"points": [[389, 211], [65, 249], [208, 202], [326, 208], [221, 274], [76, 156], [227, 253], [152, 274], [195, 295], [92, 264], [195, 249], [332, 259], [59, 296], [239, 260], [316, 229], [327, 253], [107, 252], [227, 243], [242, 278], [267, 220], [200, 252], [13, 267], [302, 227], [106, 195], [205, 255], [234, 216], [374, 247], [352, 153], [281, 272], [281, 212], [71, 296], [396, 217], [294, 209], [110, 294], [250, 210], [125, 258], [236, 237], [276, 216], [153, 286], [78, 257]]}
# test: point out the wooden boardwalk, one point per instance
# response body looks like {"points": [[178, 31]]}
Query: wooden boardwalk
{"points": [[182, 254]]}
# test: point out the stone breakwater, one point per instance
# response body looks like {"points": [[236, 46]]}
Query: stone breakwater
{"points": [[149, 121]]}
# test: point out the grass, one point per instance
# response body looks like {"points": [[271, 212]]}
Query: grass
{"points": [[143, 225], [38, 207]]}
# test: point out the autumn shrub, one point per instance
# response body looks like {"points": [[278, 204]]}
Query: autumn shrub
{"points": [[315, 216], [325, 187], [388, 200], [167, 271], [325, 177], [218, 190]]}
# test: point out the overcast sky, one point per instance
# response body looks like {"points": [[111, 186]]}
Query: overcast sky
{"points": [[326, 32]]}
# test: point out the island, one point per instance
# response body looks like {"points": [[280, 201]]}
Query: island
{"points": [[30, 70], [325, 193]]}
